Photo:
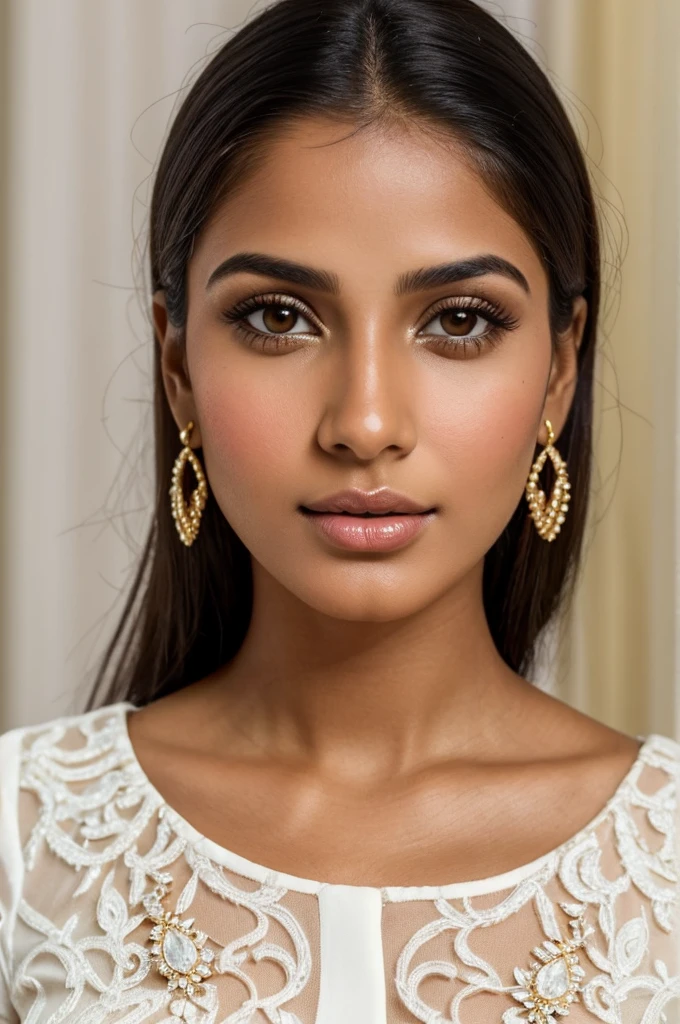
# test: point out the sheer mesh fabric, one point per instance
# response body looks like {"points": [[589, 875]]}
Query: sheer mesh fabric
{"points": [[84, 837], [506, 925]]}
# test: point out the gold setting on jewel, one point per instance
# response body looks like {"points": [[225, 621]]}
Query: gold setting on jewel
{"points": [[187, 515], [553, 981], [549, 514], [178, 950]]}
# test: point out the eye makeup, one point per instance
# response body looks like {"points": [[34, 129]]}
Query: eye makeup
{"points": [[497, 318]]}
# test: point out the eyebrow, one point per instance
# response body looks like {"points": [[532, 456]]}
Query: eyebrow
{"points": [[407, 283]]}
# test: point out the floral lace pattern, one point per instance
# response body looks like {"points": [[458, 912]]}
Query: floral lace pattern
{"points": [[577, 864], [78, 951], [115, 786]]}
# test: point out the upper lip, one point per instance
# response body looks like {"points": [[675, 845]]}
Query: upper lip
{"points": [[357, 501]]}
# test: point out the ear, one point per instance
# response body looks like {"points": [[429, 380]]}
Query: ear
{"points": [[174, 369], [564, 372]]}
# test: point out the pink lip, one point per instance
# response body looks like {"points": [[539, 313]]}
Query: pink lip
{"points": [[355, 500], [354, 533]]}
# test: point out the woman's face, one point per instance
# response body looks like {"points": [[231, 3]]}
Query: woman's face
{"points": [[359, 370]]}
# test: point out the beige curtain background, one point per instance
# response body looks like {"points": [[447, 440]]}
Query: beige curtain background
{"points": [[86, 91]]}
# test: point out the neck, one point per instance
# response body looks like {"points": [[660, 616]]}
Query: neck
{"points": [[383, 697]]}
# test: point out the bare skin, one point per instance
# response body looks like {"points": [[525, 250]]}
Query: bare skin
{"points": [[368, 732]]}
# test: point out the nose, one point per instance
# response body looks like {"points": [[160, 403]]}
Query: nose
{"points": [[368, 405]]}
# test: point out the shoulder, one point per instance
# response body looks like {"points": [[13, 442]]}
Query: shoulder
{"points": [[32, 750], [654, 779], [654, 792], [640, 833], [664, 748], [84, 722], [650, 791], [59, 757], [52, 776], [29, 751]]}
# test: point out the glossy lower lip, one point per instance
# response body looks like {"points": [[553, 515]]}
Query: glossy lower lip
{"points": [[354, 533]]}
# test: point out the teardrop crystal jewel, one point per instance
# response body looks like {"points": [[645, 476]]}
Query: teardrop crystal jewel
{"points": [[554, 980], [178, 949]]}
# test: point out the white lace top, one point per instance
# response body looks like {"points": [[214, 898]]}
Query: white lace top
{"points": [[114, 908]]}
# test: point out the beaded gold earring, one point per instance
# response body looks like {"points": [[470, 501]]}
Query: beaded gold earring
{"points": [[187, 515], [549, 514]]}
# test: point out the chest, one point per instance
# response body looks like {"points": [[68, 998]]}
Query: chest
{"points": [[445, 827], [95, 837]]}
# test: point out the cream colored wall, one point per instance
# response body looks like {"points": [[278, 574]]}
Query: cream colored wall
{"points": [[621, 656], [92, 85]]}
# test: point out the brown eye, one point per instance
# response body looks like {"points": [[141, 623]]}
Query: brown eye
{"points": [[276, 318], [459, 322], [279, 318], [468, 325]]}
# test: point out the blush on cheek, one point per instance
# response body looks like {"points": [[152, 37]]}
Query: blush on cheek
{"points": [[237, 429], [487, 444], [246, 440]]}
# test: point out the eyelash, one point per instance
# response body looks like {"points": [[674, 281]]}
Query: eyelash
{"points": [[499, 319]]}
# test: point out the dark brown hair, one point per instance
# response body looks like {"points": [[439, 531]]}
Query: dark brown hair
{"points": [[454, 69]]}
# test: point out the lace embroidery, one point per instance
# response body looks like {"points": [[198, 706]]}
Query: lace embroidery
{"points": [[463, 923], [116, 785], [578, 867], [97, 794]]}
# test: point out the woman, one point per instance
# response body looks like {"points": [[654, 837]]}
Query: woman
{"points": [[315, 783]]}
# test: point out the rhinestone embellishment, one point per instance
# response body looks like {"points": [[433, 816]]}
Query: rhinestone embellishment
{"points": [[178, 949], [553, 981]]}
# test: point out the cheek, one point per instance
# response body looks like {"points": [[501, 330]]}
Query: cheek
{"points": [[485, 435], [247, 434]]}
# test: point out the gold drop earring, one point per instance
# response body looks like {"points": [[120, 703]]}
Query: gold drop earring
{"points": [[549, 514], [187, 515]]}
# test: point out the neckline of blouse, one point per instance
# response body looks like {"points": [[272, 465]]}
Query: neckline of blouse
{"points": [[390, 893]]}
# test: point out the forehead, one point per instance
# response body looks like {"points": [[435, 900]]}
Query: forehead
{"points": [[326, 194]]}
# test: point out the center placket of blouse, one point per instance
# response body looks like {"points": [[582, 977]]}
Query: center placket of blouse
{"points": [[351, 956]]}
